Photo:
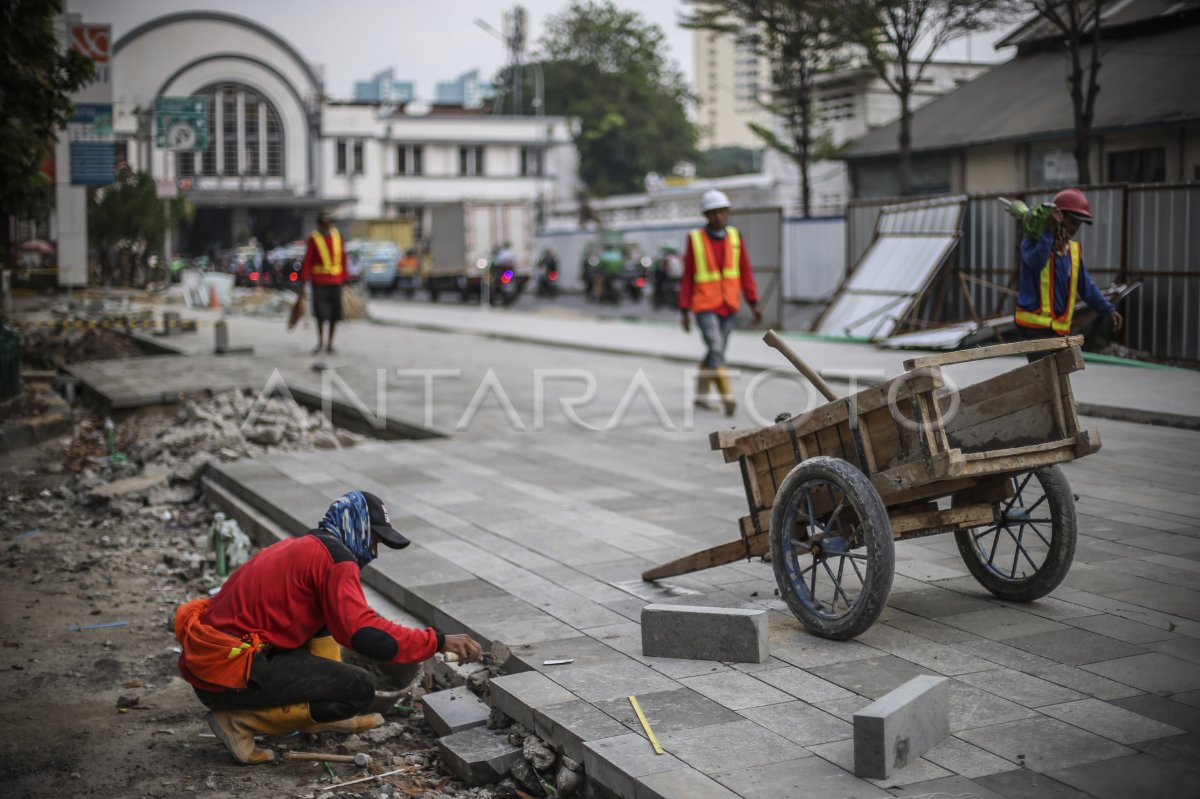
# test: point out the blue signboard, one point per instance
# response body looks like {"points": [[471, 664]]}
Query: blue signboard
{"points": [[91, 135]]}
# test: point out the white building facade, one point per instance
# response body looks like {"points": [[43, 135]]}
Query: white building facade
{"points": [[730, 78], [279, 151]]}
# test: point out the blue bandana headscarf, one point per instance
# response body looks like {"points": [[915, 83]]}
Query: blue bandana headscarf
{"points": [[349, 520]]}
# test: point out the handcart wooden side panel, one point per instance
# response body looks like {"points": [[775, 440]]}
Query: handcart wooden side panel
{"points": [[940, 458]]}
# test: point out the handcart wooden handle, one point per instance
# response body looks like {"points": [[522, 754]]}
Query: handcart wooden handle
{"points": [[773, 340]]}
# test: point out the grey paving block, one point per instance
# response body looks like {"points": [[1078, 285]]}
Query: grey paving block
{"points": [[569, 725], [1024, 689], [802, 685], [518, 695], [723, 747], [872, 677], [617, 763], [1136, 775], [1001, 623], [478, 756], [1074, 646], [799, 779], [1121, 725], [898, 728], [973, 707], [956, 786], [680, 783], [841, 753], [583, 650], [1169, 711], [960, 757], [1022, 783], [1153, 673], [705, 633], [736, 690], [1044, 744], [668, 711], [455, 710], [800, 723], [613, 681]]}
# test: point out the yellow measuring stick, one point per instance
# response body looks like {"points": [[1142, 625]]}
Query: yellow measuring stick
{"points": [[658, 750]]}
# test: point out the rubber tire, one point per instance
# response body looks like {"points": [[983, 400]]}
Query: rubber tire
{"points": [[877, 534], [1058, 558]]}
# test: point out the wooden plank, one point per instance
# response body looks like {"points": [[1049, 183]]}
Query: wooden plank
{"points": [[1022, 429], [713, 556], [965, 516], [996, 351], [746, 524], [945, 465], [1020, 459], [932, 490], [881, 430], [736, 442]]}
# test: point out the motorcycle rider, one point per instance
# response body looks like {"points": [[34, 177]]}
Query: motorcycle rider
{"points": [[608, 274], [547, 274], [668, 270]]}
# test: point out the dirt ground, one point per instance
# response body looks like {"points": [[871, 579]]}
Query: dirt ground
{"points": [[102, 712]]}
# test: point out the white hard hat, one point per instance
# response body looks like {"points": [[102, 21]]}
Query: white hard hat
{"points": [[713, 200]]}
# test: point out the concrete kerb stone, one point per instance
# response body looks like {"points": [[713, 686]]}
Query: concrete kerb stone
{"points": [[23, 433], [567, 726], [617, 763], [519, 695], [704, 633], [455, 710], [899, 727], [478, 756]]}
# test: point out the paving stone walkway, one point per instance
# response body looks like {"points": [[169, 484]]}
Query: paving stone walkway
{"points": [[535, 539]]}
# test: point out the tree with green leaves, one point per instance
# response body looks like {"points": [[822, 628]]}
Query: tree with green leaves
{"points": [[900, 38], [795, 36], [37, 78], [127, 222], [608, 68]]}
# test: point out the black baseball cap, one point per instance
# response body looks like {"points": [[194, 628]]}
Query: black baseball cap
{"points": [[381, 525]]}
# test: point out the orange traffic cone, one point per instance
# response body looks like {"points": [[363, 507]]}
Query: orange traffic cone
{"points": [[213, 302]]}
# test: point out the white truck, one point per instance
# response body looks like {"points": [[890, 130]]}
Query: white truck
{"points": [[464, 236]]}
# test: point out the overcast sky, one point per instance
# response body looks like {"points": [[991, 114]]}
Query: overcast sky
{"points": [[425, 41]]}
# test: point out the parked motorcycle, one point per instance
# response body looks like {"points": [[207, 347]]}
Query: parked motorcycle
{"points": [[547, 279]]}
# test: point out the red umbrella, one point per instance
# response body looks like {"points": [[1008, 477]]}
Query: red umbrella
{"points": [[37, 245]]}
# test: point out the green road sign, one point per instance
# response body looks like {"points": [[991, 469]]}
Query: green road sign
{"points": [[181, 123]]}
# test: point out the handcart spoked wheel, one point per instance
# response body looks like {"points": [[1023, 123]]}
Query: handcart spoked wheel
{"points": [[1027, 551], [831, 547]]}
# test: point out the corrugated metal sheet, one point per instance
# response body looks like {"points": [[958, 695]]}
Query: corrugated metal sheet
{"points": [[882, 288], [1164, 251], [913, 241]]}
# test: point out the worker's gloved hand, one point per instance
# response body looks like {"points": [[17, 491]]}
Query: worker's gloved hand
{"points": [[1038, 218], [685, 321], [464, 646]]}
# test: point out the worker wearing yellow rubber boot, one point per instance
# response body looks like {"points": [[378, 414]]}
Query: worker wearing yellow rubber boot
{"points": [[716, 273], [264, 654]]}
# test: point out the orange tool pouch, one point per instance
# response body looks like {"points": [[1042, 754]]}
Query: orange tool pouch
{"points": [[209, 654]]}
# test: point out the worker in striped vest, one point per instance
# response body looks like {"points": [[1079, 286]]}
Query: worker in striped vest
{"points": [[1053, 277], [716, 273], [325, 267]]}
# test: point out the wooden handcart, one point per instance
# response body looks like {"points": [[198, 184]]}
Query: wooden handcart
{"points": [[831, 489]]}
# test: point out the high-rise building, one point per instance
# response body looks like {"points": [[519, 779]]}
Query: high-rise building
{"points": [[465, 90], [730, 80], [384, 88]]}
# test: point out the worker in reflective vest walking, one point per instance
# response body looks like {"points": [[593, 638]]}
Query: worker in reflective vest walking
{"points": [[325, 266], [1053, 276], [716, 273]]}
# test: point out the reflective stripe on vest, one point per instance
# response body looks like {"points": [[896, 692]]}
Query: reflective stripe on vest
{"points": [[1044, 316], [711, 288], [328, 266]]}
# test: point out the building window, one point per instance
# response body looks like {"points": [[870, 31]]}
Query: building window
{"points": [[342, 157], [358, 157], [409, 158], [531, 162], [470, 161], [238, 119], [1138, 166]]}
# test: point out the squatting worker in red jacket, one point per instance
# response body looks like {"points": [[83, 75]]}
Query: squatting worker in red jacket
{"points": [[325, 266], [716, 272], [264, 655]]}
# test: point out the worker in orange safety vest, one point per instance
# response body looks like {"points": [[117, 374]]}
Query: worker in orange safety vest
{"points": [[716, 273], [1053, 276], [325, 266]]}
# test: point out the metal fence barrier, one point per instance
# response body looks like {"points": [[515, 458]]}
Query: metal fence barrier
{"points": [[1142, 232]]}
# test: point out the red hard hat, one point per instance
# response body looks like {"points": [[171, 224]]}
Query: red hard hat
{"points": [[1073, 203]]}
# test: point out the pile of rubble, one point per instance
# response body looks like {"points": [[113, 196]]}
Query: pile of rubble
{"points": [[129, 471], [50, 346]]}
